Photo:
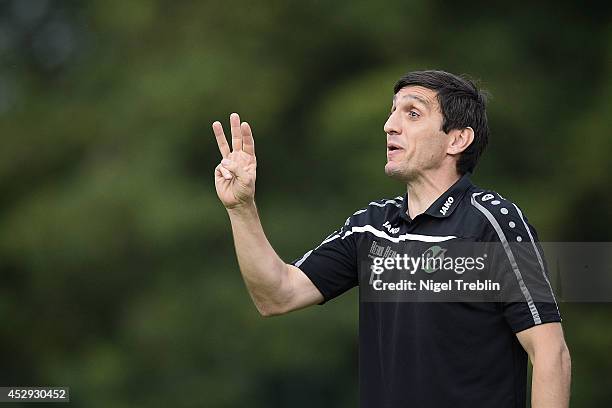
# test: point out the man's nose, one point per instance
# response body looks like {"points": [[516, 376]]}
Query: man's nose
{"points": [[391, 127]]}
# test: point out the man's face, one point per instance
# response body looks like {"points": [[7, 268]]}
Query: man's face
{"points": [[415, 141]]}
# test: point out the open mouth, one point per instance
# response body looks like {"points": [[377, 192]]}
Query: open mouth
{"points": [[392, 147]]}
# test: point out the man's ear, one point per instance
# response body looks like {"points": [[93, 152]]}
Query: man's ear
{"points": [[460, 139]]}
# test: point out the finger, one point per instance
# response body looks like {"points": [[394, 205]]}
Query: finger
{"points": [[233, 167], [221, 140], [226, 173], [248, 143], [236, 132], [221, 171]]}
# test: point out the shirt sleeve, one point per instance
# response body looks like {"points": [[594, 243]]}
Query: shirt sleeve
{"points": [[518, 264], [332, 265]]}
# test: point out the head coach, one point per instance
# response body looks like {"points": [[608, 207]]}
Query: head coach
{"points": [[416, 354]]}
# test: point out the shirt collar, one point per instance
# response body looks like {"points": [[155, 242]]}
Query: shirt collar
{"points": [[447, 202]]}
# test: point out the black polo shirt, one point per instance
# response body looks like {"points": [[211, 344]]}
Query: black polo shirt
{"points": [[439, 354]]}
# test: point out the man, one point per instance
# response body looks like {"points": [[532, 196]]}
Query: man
{"points": [[417, 354]]}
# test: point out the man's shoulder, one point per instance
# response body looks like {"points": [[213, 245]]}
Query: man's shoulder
{"points": [[376, 210], [502, 218]]}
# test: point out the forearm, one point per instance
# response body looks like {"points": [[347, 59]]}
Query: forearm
{"points": [[551, 379], [263, 271]]}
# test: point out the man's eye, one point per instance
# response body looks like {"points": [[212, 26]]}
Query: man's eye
{"points": [[413, 114]]}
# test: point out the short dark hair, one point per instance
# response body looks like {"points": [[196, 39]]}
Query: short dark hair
{"points": [[462, 105]]}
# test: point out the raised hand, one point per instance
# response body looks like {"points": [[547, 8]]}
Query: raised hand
{"points": [[235, 175]]}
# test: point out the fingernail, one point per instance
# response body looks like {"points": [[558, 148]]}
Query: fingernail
{"points": [[226, 162]]}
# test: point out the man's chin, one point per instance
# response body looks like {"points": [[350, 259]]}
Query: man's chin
{"points": [[392, 170], [396, 173]]}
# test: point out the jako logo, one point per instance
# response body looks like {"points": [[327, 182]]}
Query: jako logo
{"points": [[447, 205], [387, 225]]}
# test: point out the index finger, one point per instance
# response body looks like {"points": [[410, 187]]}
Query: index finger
{"points": [[221, 140]]}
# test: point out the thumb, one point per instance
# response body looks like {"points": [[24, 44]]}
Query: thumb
{"points": [[222, 172], [233, 167]]}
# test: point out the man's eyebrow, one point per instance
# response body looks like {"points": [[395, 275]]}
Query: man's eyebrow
{"points": [[418, 99]]}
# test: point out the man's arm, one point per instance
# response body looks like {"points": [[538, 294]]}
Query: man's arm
{"points": [[274, 286], [550, 385]]}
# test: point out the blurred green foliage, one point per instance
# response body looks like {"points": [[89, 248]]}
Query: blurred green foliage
{"points": [[116, 260]]}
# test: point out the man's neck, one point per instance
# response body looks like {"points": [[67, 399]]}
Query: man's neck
{"points": [[427, 188]]}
